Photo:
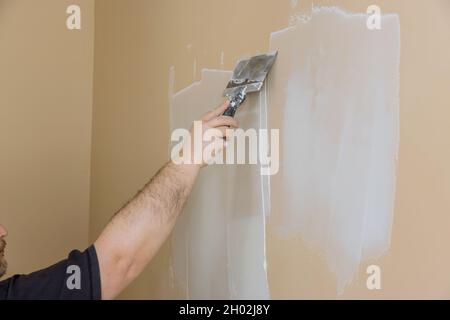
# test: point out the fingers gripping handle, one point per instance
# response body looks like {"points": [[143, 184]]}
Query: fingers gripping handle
{"points": [[235, 102]]}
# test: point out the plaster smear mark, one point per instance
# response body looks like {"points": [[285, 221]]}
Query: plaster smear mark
{"points": [[294, 3], [334, 92], [218, 245]]}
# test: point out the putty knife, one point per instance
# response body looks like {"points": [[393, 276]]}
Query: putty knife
{"points": [[248, 76]]}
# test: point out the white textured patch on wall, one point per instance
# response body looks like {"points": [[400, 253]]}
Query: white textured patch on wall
{"points": [[334, 92], [218, 245]]}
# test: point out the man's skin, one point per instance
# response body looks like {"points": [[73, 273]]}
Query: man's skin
{"points": [[137, 232]]}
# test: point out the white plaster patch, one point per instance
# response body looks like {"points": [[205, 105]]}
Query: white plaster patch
{"points": [[218, 245], [334, 93]]}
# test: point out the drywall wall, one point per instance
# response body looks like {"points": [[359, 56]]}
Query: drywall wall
{"points": [[218, 245], [138, 42], [136, 45], [45, 101], [46, 79]]}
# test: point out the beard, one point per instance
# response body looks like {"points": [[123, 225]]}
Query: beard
{"points": [[3, 263]]}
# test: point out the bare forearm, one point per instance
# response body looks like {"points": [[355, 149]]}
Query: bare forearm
{"points": [[163, 198], [139, 229]]}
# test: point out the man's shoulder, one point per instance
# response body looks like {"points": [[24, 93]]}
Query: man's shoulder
{"points": [[77, 277], [5, 285]]}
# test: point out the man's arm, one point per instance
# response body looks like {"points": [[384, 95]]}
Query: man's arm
{"points": [[137, 232]]}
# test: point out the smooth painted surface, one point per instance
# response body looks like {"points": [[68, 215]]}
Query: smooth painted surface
{"points": [[46, 84]]}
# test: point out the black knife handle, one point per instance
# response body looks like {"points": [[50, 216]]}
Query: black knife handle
{"points": [[230, 112]]}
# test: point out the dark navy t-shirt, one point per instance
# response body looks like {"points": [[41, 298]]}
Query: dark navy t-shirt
{"points": [[76, 278]]}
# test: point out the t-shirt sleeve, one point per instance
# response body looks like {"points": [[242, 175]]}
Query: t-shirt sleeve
{"points": [[76, 278]]}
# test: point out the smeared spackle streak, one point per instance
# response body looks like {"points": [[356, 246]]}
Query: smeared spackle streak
{"points": [[218, 245], [336, 85]]}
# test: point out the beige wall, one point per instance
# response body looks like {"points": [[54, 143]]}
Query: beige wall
{"points": [[136, 43], [45, 133], [46, 77], [130, 119]]}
